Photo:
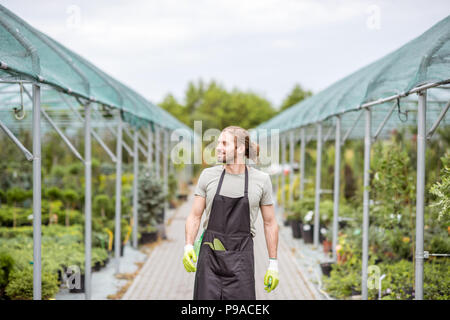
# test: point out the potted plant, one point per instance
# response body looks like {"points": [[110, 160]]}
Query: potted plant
{"points": [[148, 234], [20, 286], [70, 198], [151, 204], [308, 227], [327, 240], [326, 268], [124, 230], [296, 224]]}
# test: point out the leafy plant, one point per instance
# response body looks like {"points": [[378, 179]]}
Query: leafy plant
{"points": [[20, 286], [441, 189], [151, 199], [69, 197]]}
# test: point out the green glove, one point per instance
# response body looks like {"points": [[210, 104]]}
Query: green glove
{"points": [[189, 254], [271, 278]]}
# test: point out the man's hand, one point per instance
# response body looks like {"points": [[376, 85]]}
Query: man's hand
{"points": [[271, 278], [189, 254]]}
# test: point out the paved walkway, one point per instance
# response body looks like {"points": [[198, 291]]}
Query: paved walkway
{"points": [[163, 276]]}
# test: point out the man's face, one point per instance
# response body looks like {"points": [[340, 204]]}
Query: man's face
{"points": [[225, 149]]}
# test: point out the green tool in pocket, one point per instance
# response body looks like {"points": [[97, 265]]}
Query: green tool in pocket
{"points": [[198, 243], [217, 246]]}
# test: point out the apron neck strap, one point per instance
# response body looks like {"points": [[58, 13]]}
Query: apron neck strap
{"points": [[223, 175]]}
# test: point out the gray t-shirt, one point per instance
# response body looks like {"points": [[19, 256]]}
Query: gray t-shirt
{"points": [[259, 189]]}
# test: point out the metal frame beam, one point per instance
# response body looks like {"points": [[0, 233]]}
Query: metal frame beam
{"points": [[88, 202], [365, 226], [317, 187], [22, 148], [337, 177], [37, 263], [118, 209], [94, 133], [420, 192], [438, 121]]}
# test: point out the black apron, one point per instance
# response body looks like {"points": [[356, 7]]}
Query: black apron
{"points": [[229, 274]]}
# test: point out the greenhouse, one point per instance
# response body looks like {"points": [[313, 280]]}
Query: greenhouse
{"points": [[406, 89], [347, 196], [46, 87]]}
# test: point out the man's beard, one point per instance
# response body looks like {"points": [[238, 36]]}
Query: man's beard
{"points": [[226, 160]]}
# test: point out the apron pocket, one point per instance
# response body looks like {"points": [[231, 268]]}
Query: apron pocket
{"points": [[225, 263]]}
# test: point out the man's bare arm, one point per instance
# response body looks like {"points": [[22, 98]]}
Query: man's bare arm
{"points": [[194, 218], [270, 229]]}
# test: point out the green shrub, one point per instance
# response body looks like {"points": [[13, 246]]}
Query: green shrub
{"points": [[20, 286], [298, 209], [151, 199], [441, 190], [6, 265]]}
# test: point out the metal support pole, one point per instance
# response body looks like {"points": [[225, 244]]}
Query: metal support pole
{"points": [[276, 183], [302, 162], [291, 172], [365, 226], [165, 179], [150, 147], [158, 152], [117, 239], [283, 179], [317, 192], [170, 145], [420, 192], [87, 201], [337, 176], [37, 266], [165, 164], [135, 189]]}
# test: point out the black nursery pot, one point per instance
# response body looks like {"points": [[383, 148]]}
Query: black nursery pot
{"points": [[307, 235], [326, 268], [182, 197], [148, 237], [121, 249], [411, 292], [296, 226], [356, 291], [342, 224], [97, 266], [81, 289]]}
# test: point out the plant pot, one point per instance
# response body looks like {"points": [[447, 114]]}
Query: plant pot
{"points": [[321, 236], [296, 226], [327, 246], [307, 234], [411, 292], [121, 249], [182, 197], [81, 289], [342, 224], [326, 268], [148, 237], [356, 291], [286, 223], [97, 266]]}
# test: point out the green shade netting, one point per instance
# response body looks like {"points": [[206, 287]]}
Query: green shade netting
{"points": [[28, 54], [424, 60]]}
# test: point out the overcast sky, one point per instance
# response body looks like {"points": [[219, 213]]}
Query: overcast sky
{"points": [[157, 46]]}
